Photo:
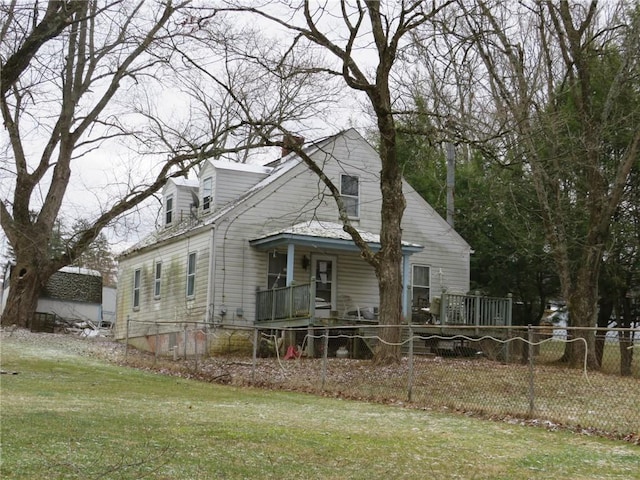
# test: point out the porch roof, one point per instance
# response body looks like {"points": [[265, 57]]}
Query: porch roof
{"points": [[319, 234]]}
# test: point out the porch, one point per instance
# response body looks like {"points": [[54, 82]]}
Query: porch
{"points": [[297, 306]]}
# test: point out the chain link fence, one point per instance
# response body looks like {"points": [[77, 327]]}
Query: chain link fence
{"points": [[523, 374]]}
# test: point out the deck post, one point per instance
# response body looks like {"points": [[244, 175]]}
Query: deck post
{"points": [[444, 307], [310, 342], [291, 255], [476, 302]]}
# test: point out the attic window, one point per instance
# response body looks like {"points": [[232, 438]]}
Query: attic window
{"points": [[168, 210], [350, 192], [206, 193]]}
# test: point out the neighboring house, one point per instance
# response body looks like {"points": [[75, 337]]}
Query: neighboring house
{"points": [[234, 240], [72, 293]]}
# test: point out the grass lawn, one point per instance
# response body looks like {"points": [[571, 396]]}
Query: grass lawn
{"points": [[66, 416]]}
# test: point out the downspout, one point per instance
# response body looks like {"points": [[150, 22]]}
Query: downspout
{"points": [[210, 278]]}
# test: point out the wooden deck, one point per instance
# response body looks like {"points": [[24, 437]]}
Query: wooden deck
{"points": [[295, 306]]}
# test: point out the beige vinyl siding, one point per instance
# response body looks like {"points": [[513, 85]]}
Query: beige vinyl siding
{"points": [[299, 195], [173, 305], [444, 249], [295, 196], [206, 172], [183, 197], [233, 183]]}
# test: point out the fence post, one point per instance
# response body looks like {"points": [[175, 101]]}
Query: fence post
{"points": [[410, 386], [254, 359], [325, 352], [155, 348], [508, 322], [531, 379], [184, 340], [126, 340], [195, 347]]}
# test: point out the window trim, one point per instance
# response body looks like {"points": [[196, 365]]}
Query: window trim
{"points": [[136, 292], [157, 279], [414, 285], [168, 212], [348, 196], [281, 277], [191, 275]]}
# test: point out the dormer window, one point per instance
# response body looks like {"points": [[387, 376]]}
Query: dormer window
{"points": [[206, 193], [168, 210], [350, 193]]}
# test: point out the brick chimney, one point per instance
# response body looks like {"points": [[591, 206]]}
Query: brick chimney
{"points": [[289, 142]]}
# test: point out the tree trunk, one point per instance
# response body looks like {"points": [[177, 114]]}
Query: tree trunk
{"points": [[22, 300], [390, 291], [604, 314], [582, 309], [389, 266]]}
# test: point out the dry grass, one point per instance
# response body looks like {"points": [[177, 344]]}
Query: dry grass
{"points": [[68, 415], [562, 397]]}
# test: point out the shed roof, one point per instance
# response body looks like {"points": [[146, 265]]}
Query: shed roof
{"points": [[319, 233]]}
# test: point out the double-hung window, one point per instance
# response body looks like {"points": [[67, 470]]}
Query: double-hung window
{"points": [[157, 280], [421, 286], [136, 289], [168, 210], [350, 193], [207, 190], [191, 275]]}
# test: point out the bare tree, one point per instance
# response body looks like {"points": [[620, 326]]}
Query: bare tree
{"points": [[543, 76], [90, 75], [361, 44]]}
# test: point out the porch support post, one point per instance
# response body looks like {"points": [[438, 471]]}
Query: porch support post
{"points": [[406, 272], [291, 252]]}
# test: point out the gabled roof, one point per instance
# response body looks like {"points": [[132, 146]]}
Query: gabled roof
{"points": [[285, 165], [185, 182], [240, 167], [317, 233], [335, 235]]}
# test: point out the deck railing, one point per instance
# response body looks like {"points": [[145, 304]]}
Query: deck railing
{"points": [[475, 310], [297, 301], [282, 303]]}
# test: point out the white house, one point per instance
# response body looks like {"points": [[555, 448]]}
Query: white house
{"points": [[241, 235]]}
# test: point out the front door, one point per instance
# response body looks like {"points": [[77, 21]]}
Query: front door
{"points": [[324, 272]]}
